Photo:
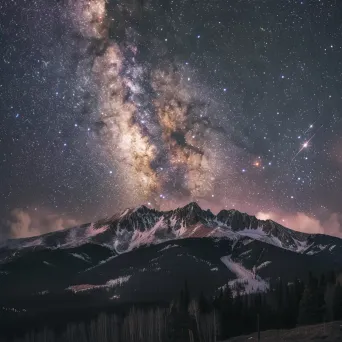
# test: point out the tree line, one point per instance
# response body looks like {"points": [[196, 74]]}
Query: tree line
{"points": [[209, 319]]}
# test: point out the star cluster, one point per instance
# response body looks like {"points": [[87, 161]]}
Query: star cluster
{"points": [[108, 104]]}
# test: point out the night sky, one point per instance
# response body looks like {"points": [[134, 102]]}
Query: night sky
{"points": [[108, 105]]}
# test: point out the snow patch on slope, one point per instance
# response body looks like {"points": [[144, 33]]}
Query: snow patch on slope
{"points": [[245, 253], [33, 243], [222, 232], [246, 279], [118, 281], [100, 263], [146, 237], [42, 293], [47, 263], [259, 234], [312, 252], [80, 256], [264, 264], [302, 246], [109, 284], [78, 236], [322, 247], [124, 213], [168, 247], [92, 231]]}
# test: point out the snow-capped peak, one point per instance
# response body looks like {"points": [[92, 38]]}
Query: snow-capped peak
{"points": [[140, 226]]}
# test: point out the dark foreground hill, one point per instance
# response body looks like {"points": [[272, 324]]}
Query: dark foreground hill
{"points": [[328, 332]]}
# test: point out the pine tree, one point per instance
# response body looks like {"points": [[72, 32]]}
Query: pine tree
{"points": [[224, 306], [312, 281], [311, 306], [307, 307], [320, 297], [203, 303], [337, 309], [322, 282], [329, 298], [186, 298], [295, 292], [331, 278]]}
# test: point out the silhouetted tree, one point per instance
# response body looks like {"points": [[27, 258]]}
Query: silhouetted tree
{"points": [[337, 308], [311, 306]]}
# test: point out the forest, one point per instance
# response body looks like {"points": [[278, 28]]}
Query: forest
{"points": [[205, 319]]}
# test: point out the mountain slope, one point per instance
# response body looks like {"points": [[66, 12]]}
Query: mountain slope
{"points": [[144, 254], [144, 226]]}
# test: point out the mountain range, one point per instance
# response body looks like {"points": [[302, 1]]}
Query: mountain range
{"points": [[142, 254]]}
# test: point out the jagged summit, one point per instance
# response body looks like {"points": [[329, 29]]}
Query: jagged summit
{"points": [[191, 214]]}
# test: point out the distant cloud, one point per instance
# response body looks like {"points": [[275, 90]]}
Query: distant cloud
{"points": [[304, 223], [23, 223], [19, 224]]}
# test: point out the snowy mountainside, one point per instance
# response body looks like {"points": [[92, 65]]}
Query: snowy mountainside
{"points": [[145, 254], [144, 226], [92, 274]]}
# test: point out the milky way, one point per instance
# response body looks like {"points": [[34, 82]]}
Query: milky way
{"points": [[152, 125], [108, 104]]}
